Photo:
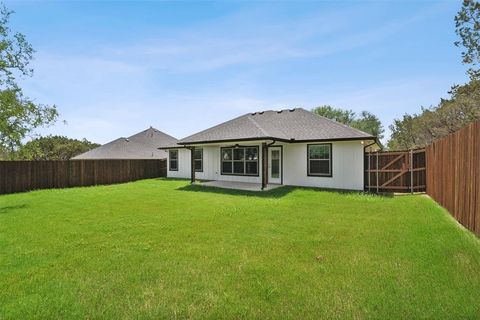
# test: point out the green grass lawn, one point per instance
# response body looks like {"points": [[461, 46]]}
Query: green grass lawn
{"points": [[164, 249]]}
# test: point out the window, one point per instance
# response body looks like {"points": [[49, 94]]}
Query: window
{"points": [[319, 160], [242, 161], [198, 158], [173, 160], [275, 163]]}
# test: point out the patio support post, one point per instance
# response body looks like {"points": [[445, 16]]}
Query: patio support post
{"points": [[192, 161], [264, 165]]}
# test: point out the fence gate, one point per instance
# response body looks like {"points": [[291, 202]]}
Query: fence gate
{"points": [[396, 171]]}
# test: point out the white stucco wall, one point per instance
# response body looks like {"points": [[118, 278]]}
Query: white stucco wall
{"points": [[347, 166], [211, 165], [214, 166], [183, 165]]}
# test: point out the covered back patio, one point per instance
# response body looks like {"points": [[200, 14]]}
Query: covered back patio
{"points": [[261, 161]]}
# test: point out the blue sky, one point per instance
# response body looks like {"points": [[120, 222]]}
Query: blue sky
{"points": [[115, 68]]}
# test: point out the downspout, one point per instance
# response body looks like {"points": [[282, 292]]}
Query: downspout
{"points": [[271, 144]]}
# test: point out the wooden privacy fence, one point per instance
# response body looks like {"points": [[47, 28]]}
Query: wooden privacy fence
{"points": [[453, 175], [398, 171], [18, 176]]}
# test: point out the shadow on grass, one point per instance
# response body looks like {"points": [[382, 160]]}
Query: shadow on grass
{"points": [[172, 179], [350, 192], [275, 193], [8, 209], [384, 194]]}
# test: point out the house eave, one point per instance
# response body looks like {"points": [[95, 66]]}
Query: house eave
{"points": [[190, 143], [172, 147]]}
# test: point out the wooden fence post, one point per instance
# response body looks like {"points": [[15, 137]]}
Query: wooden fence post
{"points": [[369, 183], [377, 171], [411, 171]]}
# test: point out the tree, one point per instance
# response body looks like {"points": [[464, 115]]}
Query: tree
{"points": [[339, 115], [367, 122], [53, 148], [467, 27], [403, 135], [19, 115], [450, 115]]}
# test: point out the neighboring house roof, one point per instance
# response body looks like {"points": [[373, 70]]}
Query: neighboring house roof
{"points": [[292, 125], [143, 145]]}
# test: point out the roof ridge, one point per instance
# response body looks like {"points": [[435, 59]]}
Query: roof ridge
{"points": [[215, 126], [249, 117], [154, 130]]}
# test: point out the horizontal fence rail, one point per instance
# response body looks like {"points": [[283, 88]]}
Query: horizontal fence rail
{"points": [[395, 171], [19, 176], [453, 175]]}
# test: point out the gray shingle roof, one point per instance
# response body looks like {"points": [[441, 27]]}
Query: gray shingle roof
{"points": [[143, 145], [153, 138], [285, 125]]}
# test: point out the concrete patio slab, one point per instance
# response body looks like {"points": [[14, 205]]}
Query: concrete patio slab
{"points": [[246, 186]]}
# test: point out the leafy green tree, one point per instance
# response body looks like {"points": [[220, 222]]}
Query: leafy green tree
{"points": [[450, 115], [53, 148], [467, 27], [19, 115], [4, 155], [337, 114], [367, 121], [403, 135]]}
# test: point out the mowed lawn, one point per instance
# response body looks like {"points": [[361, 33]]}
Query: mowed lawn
{"points": [[163, 249]]}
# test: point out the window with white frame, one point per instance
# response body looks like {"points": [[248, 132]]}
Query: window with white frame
{"points": [[319, 160]]}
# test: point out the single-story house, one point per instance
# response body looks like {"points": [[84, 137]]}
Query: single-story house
{"points": [[286, 147], [143, 145]]}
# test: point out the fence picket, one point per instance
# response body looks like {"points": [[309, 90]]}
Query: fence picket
{"points": [[453, 175]]}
